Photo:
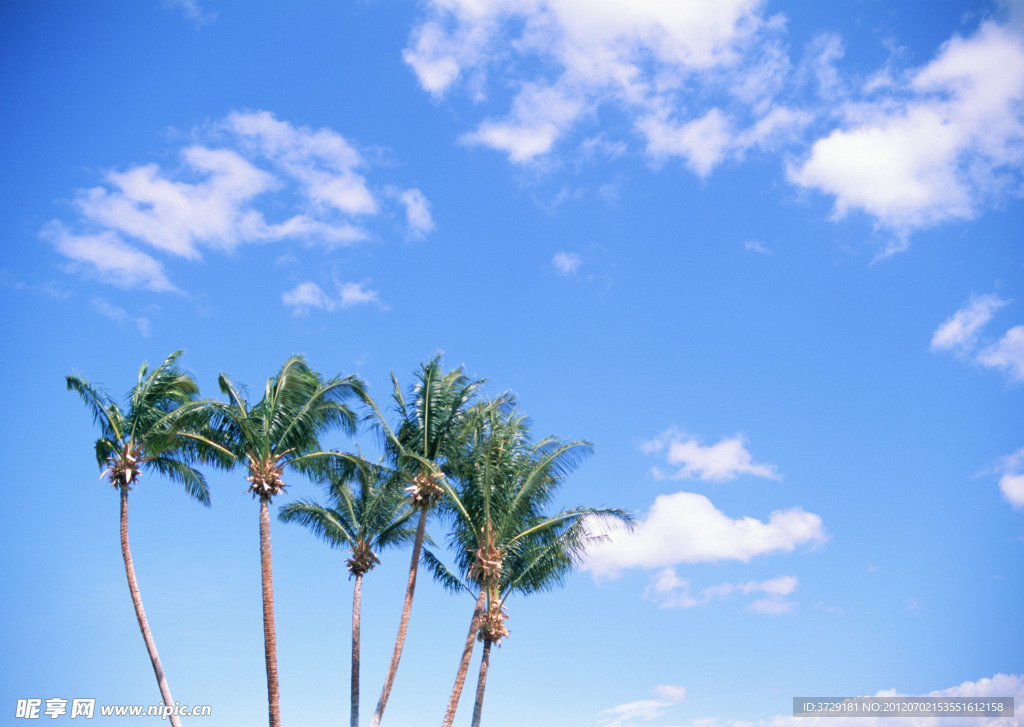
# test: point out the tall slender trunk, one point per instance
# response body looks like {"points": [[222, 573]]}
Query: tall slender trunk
{"points": [[269, 634], [481, 682], [357, 599], [404, 623], [467, 654], [140, 613]]}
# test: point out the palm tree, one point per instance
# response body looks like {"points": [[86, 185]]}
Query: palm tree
{"points": [[503, 541], [281, 431], [368, 512], [146, 437], [430, 420]]}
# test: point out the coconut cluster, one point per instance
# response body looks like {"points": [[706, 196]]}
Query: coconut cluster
{"points": [[362, 561], [425, 490], [492, 625], [265, 477]]}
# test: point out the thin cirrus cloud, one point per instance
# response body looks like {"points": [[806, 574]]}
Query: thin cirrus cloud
{"points": [[219, 198], [961, 334], [708, 81], [668, 590], [725, 460], [645, 709]]}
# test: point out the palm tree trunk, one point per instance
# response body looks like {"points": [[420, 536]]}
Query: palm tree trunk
{"points": [[467, 654], [481, 682], [140, 613], [404, 623], [269, 634], [357, 599]]}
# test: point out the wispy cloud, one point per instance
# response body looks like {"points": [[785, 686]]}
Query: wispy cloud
{"points": [[624, 714], [417, 212], [960, 331], [724, 460], [961, 334], [192, 10], [645, 709], [1011, 477], [711, 81], [670, 591], [685, 527], [49, 289], [639, 57], [120, 315], [228, 191], [1007, 354], [308, 295], [566, 263], [107, 257]]}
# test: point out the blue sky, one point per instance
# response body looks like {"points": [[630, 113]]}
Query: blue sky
{"points": [[766, 256]]}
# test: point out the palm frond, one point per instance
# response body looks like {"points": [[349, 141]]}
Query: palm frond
{"points": [[442, 575], [325, 523], [181, 473]]}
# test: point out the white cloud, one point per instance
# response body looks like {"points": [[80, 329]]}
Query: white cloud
{"points": [[646, 709], [685, 527], [417, 212], [108, 257], [669, 591], [671, 692], [308, 295], [708, 81], [228, 192], [638, 57], [718, 462], [960, 331], [960, 334], [701, 142], [566, 263], [938, 155], [321, 160], [357, 294], [1011, 480], [1007, 353], [177, 217], [305, 296], [539, 116], [755, 246]]}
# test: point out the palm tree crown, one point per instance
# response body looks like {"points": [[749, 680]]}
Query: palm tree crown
{"points": [[281, 431], [148, 435], [502, 538], [431, 419], [369, 511]]}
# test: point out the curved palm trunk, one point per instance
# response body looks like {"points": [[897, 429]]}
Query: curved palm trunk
{"points": [[269, 634], [481, 682], [357, 599], [404, 623], [467, 654], [140, 613]]}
